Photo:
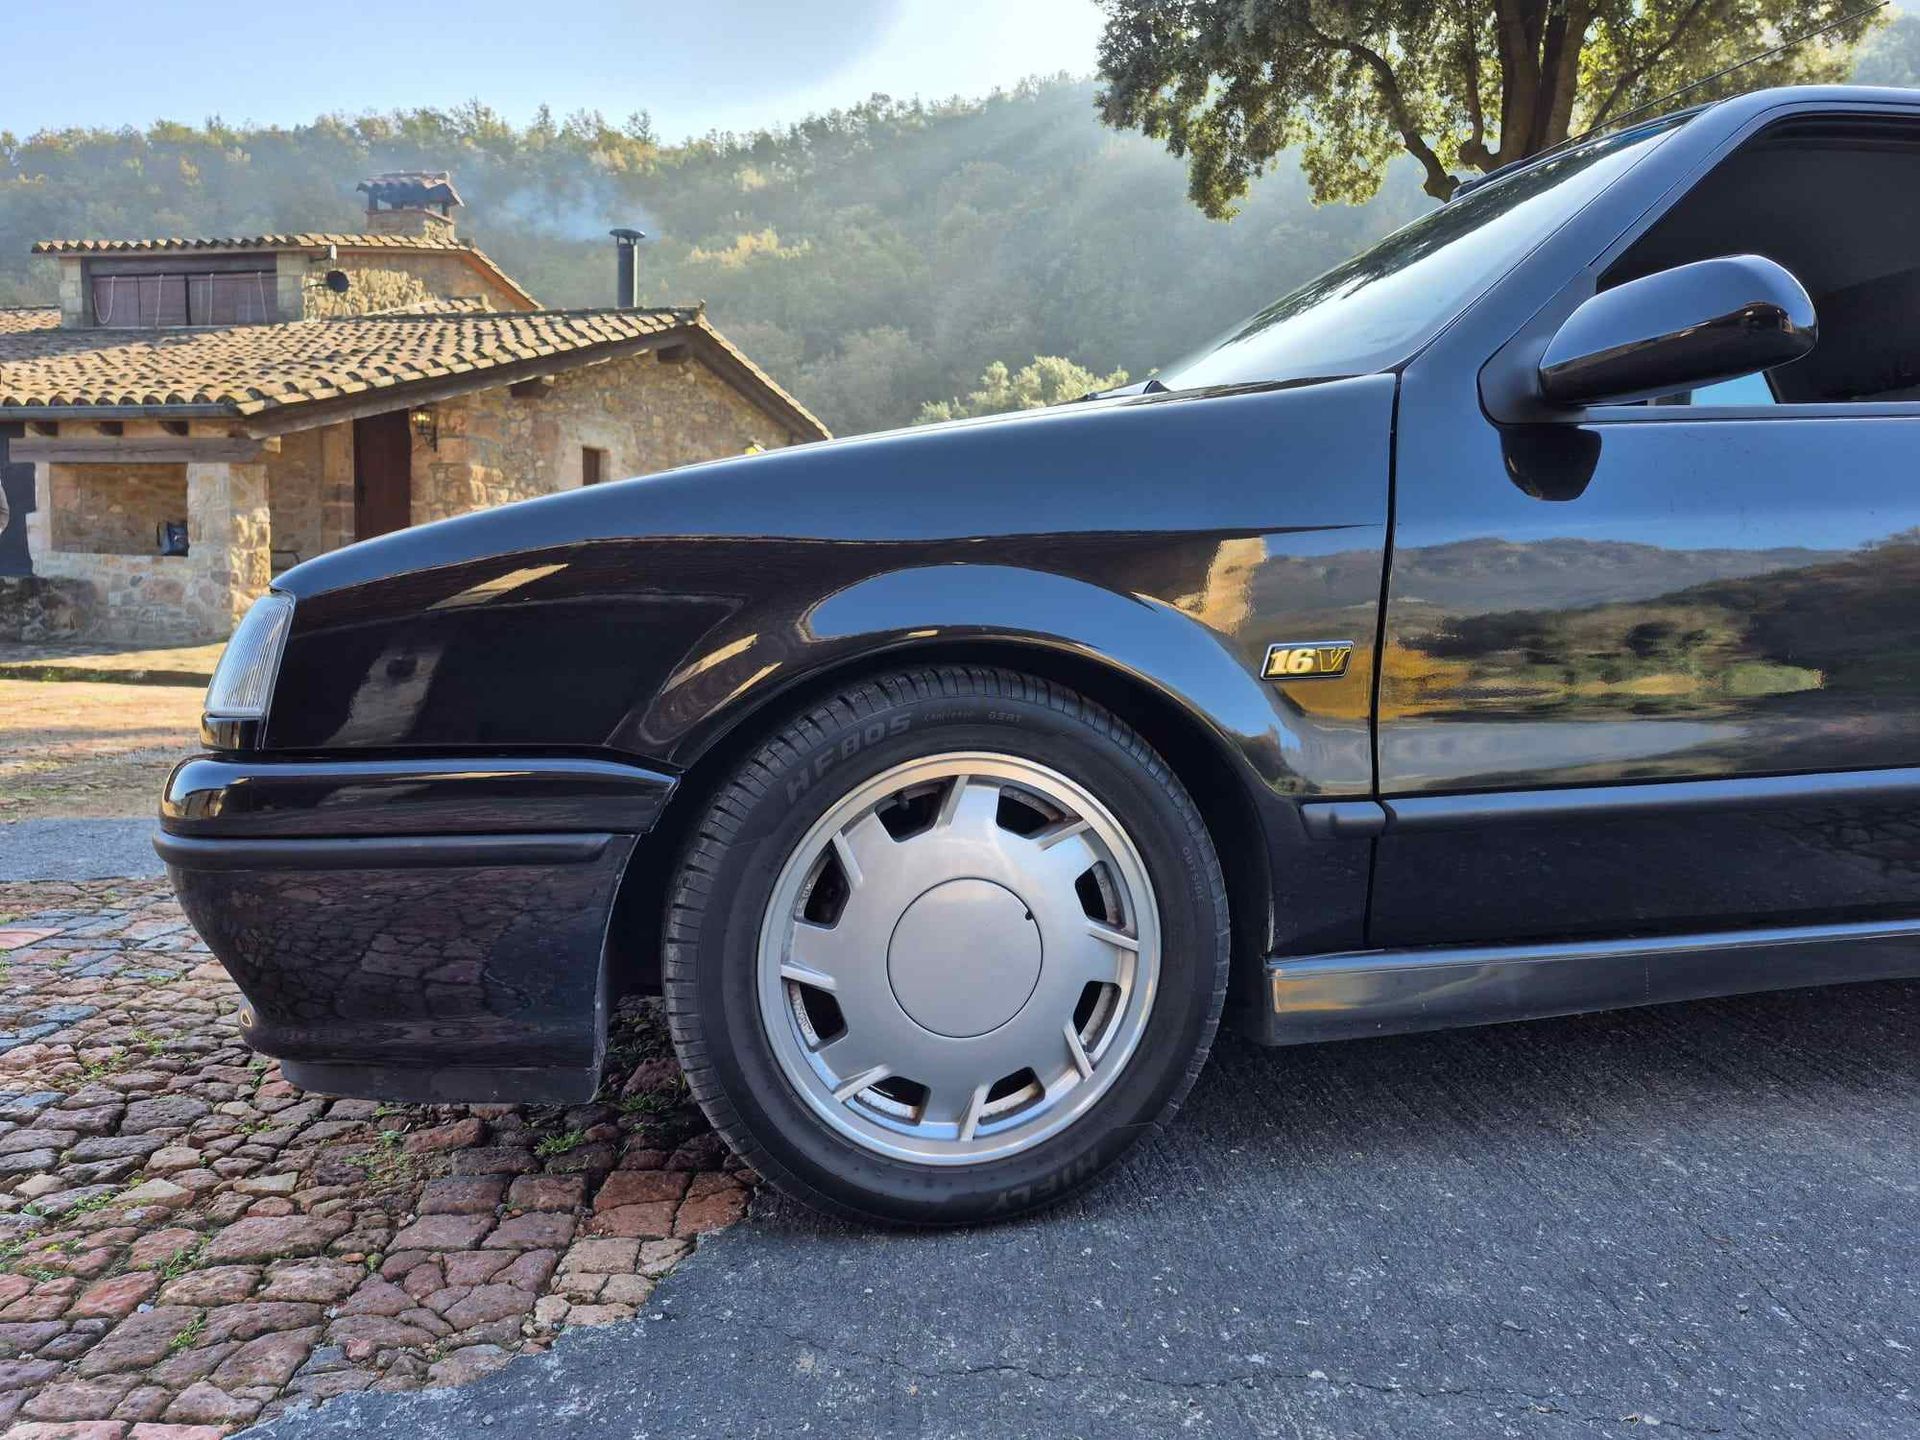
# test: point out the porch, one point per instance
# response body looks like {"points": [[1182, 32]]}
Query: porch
{"points": [[108, 493]]}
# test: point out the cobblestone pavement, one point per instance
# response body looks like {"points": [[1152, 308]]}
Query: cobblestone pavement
{"points": [[189, 1244]]}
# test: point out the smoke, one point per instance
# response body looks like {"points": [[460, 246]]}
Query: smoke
{"points": [[571, 199]]}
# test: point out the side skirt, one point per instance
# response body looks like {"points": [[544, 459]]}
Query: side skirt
{"points": [[438, 1085], [1389, 992]]}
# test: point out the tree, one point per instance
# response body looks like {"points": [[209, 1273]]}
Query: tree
{"points": [[1893, 56], [1049, 380], [1460, 84]]}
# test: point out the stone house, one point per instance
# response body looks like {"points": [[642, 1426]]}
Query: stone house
{"points": [[283, 395]]}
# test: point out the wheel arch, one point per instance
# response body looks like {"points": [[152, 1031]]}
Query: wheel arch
{"points": [[1215, 773]]}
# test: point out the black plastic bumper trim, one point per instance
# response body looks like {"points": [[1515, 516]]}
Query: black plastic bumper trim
{"points": [[289, 797], [199, 852]]}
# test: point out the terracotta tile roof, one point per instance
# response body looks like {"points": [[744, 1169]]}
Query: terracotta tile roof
{"points": [[443, 305], [471, 253], [250, 370], [14, 319], [303, 241]]}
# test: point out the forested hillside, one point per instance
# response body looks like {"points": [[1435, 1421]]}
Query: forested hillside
{"points": [[874, 260]]}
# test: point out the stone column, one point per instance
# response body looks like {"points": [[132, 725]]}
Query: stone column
{"points": [[230, 538], [40, 522], [292, 272], [336, 486], [75, 312]]}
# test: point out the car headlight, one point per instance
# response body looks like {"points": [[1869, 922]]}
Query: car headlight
{"points": [[243, 680]]}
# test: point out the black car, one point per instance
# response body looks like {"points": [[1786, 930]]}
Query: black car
{"points": [[1522, 618]]}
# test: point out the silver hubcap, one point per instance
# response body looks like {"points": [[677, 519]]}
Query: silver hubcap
{"points": [[959, 958]]}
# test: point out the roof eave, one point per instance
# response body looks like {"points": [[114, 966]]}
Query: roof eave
{"points": [[219, 411], [724, 356], [265, 417]]}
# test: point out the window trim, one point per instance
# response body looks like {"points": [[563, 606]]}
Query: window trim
{"points": [[1783, 410], [1505, 379]]}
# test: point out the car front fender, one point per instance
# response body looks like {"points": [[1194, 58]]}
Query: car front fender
{"points": [[744, 667]]}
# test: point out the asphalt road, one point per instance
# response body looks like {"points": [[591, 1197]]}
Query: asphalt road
{"points": [[1701, 1217], [78, 850]]}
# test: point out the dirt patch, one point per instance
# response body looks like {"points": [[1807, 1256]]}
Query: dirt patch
{"points": [[190, 666], [90, 751], [187, 1239]]}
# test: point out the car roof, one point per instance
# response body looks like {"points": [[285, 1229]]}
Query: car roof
{"points": [[1734, 108]]}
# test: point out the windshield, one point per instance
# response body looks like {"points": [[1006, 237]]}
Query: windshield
{"points": [[1377, 309]]}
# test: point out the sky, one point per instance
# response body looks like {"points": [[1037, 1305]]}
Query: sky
{"points": [[710, 64]]}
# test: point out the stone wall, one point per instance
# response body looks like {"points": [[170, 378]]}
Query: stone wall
{"points": [[115, 509], [445, 274], [438, 272], [149, 599], [233, 541], [310, 489], [647, 415], [370, 289], [39, 607]]}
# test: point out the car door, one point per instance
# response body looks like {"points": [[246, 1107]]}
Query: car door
{"points": [[1655, 668]]}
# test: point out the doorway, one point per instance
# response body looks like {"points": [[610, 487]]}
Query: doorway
{"points": [[382, 474], [16, 500]]}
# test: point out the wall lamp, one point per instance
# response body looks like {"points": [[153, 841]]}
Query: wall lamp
{"points": [[426, 425]]}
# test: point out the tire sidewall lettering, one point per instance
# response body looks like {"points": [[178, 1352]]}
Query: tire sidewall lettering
{"points": [[865, 735]]}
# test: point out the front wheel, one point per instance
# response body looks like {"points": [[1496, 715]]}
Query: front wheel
{"points": [[945, 947]]}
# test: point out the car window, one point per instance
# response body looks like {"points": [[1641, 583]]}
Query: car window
{"points": [[1742, 390], [1836, 200], [1377, 309]]}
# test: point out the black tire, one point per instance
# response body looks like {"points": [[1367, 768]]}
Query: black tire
{"points": [[737, 848]]}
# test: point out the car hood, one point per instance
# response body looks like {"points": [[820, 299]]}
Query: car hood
{"points": [[1178, 459]]}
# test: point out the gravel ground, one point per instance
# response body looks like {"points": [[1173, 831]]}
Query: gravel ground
{"points": [[188, 1240], [76, 750], [190, 666]]}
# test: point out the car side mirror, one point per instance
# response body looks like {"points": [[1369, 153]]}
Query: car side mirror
{"points": [[1678, 330]]}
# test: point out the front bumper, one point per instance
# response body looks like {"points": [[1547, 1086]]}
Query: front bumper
{"points": [[417, 929]]}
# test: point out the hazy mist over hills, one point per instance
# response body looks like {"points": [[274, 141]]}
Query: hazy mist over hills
{"points": [[872, 259]]}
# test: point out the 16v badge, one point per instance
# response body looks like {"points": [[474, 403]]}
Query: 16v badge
{"points": [[1308, 660]]}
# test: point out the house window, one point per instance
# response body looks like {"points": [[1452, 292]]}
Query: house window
{"points": [[240, 297], [144, 299], [593, 465], [139, 301]]}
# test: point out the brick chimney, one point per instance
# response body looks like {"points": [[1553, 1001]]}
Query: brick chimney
{"points": [[411, 202]]}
